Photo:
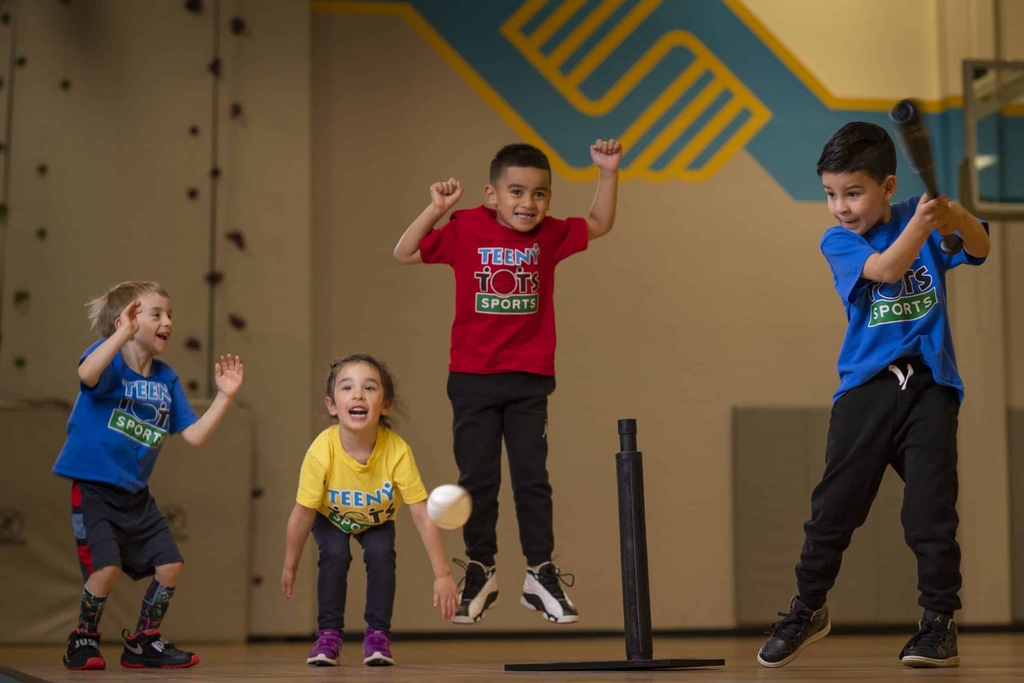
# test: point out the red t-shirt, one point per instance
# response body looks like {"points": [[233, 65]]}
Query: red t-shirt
{"points": [[504, 286]]}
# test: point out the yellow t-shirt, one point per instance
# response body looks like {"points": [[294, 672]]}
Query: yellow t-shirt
{"points": [[356, 496]]}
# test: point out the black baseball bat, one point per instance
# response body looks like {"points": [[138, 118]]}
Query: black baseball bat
{"points": [[917, 148]]}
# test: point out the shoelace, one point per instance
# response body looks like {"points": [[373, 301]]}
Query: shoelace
{"points": [[900, 376], [550, 580], [931, 634], [788, 627], [376, 639], [167, 645], [329, 639], [471, 582]]}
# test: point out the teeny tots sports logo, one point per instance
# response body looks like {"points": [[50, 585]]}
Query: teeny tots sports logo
{"points": [[144, 412], [377, 507], [508, 281], [912, 298]]}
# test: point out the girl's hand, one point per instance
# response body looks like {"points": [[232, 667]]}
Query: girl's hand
{"points": [[446, 595], [287, 581]]}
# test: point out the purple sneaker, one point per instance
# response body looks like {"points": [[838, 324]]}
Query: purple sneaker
{"points": [[327, 648], [377, 648]]}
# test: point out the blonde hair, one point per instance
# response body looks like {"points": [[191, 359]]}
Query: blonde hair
{"points": [[106, 308]]}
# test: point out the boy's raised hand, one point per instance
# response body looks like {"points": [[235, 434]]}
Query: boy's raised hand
{"points": [[229, 375], [606, 154], [446, 194], [128, 321]]}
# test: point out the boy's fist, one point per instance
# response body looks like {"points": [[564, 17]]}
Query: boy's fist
{"points": [[934, 213], [606, 154], [445, 195]]}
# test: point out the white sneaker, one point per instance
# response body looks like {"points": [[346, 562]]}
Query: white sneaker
{"points": [[479, 592], [543, 592]]}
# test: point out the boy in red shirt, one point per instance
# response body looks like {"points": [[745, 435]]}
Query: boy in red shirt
{"points": [[502, 367]]}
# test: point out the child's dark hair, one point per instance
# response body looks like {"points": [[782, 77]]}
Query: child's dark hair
{"points": [[518, 155], [859, 146], [387, 382]]}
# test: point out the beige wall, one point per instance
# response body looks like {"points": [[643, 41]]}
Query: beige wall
{"points": [[114, 203], [704, 297]]}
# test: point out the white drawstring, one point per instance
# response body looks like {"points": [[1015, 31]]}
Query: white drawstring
{"points": [[901, 377]]}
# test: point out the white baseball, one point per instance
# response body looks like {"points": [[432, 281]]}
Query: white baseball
{"points": [[449, 506]]}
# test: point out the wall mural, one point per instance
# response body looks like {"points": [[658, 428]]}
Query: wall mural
{"points": [[685, 84]]}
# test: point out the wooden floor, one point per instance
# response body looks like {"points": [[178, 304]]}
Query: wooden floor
{"points": [[985, 658]]}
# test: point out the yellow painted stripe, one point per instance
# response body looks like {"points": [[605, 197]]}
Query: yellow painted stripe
{"points": [[615, 37], [640, 13], [809, 79], [461, 67], [705, 137], [658, 108], [583, 31], [557, 20], [523, 14], [680, 123]]}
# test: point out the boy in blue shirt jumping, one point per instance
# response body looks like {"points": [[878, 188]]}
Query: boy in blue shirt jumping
{"points": [[899, 391], [127, 405]]}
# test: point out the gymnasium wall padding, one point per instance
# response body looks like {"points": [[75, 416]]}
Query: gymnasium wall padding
{"points": [[204, 493], [779, 455]]}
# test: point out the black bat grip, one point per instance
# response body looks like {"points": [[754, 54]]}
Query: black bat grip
{"points": [[951, 244], [917, 147]]}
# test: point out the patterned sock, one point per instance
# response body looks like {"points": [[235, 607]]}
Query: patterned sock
{"points": [[90, 611], [154, 606]]}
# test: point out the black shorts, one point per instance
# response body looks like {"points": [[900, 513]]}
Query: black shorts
{"points": [[114, 527]]}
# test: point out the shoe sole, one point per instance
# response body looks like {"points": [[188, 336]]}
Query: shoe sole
{"points": [[915, 662], [377, 659], [488, 604], [133, 665], [321, 660], [567, 619], [92, 664], [807, 643]]}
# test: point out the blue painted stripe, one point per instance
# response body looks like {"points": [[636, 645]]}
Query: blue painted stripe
{"points": [[604, 29], [575, 20], [691, 131], [622, 59], [787, 147], [677, 107], [537, 19], [722, 138]]}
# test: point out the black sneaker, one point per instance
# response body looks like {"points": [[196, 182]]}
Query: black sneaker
{"points": [[542, 591], [934, 645], [147, 650], [479, 592], [84, 651], [797, 630]]}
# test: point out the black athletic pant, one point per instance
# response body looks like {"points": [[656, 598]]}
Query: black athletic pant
{"points": [[909, 421], [486, 408]]}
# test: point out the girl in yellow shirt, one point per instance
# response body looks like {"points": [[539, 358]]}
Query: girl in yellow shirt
{"points": [[355, 476]]}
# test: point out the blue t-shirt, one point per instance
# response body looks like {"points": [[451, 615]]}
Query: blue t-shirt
{"points": [[889, 321], [116, 428]]}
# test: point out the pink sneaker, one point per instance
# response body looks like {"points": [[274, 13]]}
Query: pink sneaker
{"points": [[327, 648], [377, 648]]}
